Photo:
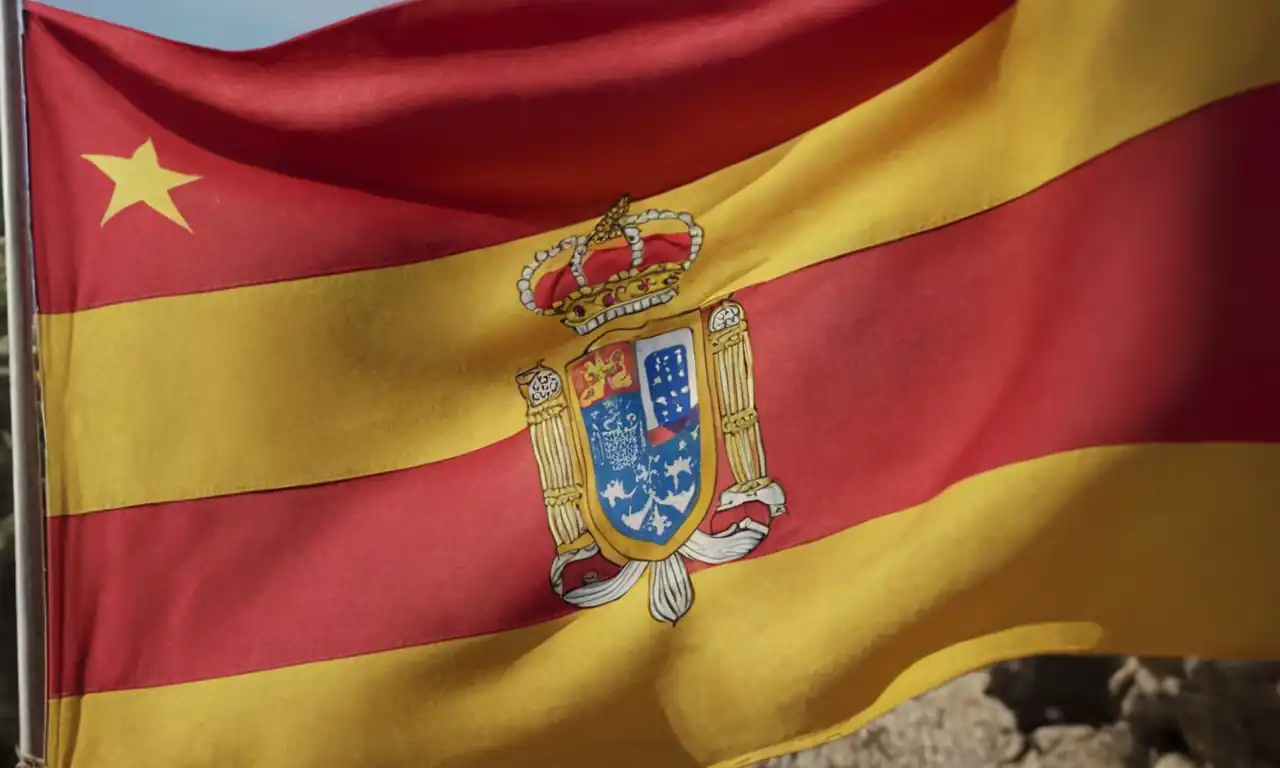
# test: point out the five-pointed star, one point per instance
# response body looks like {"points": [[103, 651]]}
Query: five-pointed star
{"points": [[140, 179]]}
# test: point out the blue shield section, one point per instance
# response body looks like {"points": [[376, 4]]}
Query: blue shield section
{"points": [[666, 373], [646, 446]]}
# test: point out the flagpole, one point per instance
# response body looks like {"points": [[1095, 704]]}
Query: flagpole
{"points": [[27, 495]]}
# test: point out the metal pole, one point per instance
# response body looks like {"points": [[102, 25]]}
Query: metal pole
{"points": [[27, 485]]}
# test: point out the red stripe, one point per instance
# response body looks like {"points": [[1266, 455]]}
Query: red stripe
{"points": [[1132, 300], [428, 128]]}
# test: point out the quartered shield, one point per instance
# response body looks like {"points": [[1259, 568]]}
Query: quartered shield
{"points": [[639, 405]]}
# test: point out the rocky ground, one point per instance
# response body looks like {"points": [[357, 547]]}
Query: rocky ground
{"points": [[1045, 712], [1057, 712]]}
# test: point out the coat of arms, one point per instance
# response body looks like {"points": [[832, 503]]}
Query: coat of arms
{"points": [[626, 435]]}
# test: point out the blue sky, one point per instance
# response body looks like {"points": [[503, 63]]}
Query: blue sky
{"points": [[232, 24]]}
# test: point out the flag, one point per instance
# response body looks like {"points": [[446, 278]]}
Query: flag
{"points": [[653, 383]]}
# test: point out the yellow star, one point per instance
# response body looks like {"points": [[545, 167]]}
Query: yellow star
{"points": [[140, 179]]}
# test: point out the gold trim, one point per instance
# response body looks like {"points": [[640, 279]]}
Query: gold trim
{"points": [[581, 542], [559, 462], [729, 346]]}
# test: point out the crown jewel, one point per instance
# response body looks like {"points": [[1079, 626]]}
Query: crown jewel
{"points": [[602, 284]]}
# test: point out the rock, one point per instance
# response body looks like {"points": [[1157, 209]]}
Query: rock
{"points": [[1049, 738], [954, 725], [1234, 700], [1221, 713], [1057, 690], [1077, 746]]}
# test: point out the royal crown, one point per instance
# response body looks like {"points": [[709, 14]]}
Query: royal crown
{"points": [[616, 270]]}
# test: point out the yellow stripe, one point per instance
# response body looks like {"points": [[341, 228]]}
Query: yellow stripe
{"points": [[1154, 549], [325, 379]]}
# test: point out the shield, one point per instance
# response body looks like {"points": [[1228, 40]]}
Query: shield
{"points": [[639, 405]]}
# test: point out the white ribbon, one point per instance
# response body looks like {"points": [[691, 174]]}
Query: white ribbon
{"points": [[670, 589]]}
